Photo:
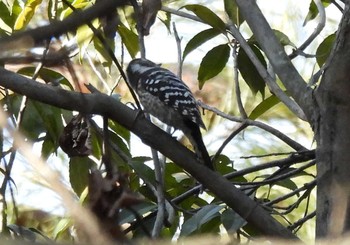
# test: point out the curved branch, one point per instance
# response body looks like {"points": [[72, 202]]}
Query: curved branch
{"points": [[105, 105], [321, 24]]}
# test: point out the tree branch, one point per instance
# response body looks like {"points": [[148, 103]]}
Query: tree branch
{"points": [[294, 107], [280, 62], [71, 23], [153, 136], [321, 24], [270, 81], [295, 145]]}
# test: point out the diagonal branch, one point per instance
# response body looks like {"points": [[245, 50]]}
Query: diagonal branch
{"points": [[153, 136], [270, 81], [321, 24], [71, 23], [280, 62]]}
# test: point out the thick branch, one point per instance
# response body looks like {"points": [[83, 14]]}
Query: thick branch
{"points": [[280, 62], [71, 23], [155, 137]]}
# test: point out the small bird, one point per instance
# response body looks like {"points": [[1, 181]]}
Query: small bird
{"points": [[166, 97]]}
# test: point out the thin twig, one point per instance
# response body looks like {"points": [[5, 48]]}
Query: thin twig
{"points": [[272, 154], [295, 145], [277, 178], [106, 157], [321, 24], [292, 105], [309, 185], [110, 52], [83, 217], [9, 166], [293, 206], [338, 6], [152, 135], [181, 14], [286, 162], [294, 83], [270, 81], [111, 144], [159, 176], [138, 16], [302, 221], [239, 128], [98, 74], [179, 51], [242, 111], [71, 23]]}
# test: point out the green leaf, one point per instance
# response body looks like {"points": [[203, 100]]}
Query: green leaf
{"points": [[77, 4], [223, 164], [120, 130], [324, 50], [27, 13], [287, 183], [173, 177], [39, 118], [31, 124], [143, 171], [116, 139], [51, 119], [165, 18], [48, 75], [207, 16], [232, 11], [126, 216], [49, 146], [79, 168], [199, 39], [63, 225], [193, 202], [84, 37], [264, 106], [212, 226], [102, 54], [9, 4], [96, 143], [213, 63], [203, 216], [313, 11], [283, 38], [129, 39], [8, 16], [248, 71], [232, 221]]}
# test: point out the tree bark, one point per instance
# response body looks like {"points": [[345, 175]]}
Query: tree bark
{"points": [[101, 104], [333, 138]]}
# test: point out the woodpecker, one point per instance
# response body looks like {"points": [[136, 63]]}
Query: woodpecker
{"points": [[166, 97]]}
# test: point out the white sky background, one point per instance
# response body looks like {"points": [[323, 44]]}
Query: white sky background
{"points": [[161, 47]]}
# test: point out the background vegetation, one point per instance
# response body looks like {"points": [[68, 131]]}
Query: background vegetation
{"points": [[65, 97]]}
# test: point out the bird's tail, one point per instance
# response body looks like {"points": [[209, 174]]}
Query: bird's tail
{"points": [[195, 137]]}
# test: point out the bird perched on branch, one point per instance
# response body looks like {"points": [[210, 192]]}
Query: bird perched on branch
{"points": [[166, 97]]}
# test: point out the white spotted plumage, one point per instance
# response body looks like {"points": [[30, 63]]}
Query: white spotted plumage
{"points": [[161, 85], [167, 97]]}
